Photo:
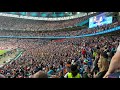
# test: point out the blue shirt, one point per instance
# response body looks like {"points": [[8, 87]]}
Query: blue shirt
{"points": [[90, 61], [50, 72]]}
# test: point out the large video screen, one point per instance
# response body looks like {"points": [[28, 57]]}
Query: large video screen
{"points": [[99, 20]]}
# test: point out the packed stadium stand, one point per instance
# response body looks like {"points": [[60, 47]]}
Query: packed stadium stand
{"points": [[31, 48]]}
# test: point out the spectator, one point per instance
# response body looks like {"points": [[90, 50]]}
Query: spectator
{"points": [[95, 68], [74, 72], [114, 64], [51, 71], [2, 76], [103, 65], [87, 73], [39, 74]]}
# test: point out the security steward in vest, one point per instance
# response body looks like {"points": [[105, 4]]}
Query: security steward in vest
{"points": [[74, 73]]}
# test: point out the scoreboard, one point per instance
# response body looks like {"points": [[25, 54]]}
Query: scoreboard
{"points": [[99, 20]]}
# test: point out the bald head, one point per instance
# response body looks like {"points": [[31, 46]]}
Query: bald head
{"points": [[39, 74], [2, 76]]}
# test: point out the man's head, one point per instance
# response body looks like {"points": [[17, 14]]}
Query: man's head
{"points": [[2, 76], [73, 68], [103, 54], [39, 74]]}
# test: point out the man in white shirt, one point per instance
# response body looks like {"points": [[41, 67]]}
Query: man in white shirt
{"points": [[114, 64]]}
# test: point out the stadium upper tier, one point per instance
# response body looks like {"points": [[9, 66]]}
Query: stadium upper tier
{"points": [[61, 34], [12, 23]]}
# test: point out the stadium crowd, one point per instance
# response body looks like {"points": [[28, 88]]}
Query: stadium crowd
{"points": [[87, 57], [55, 57], [59, 33]]}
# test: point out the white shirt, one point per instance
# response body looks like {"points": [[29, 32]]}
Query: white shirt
{"points": [[118, 49], [66, 75]]}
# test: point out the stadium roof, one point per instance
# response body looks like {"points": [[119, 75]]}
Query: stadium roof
{"points": [[46, 14]]}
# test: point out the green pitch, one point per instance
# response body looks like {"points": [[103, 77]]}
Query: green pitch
{"points": [[2, 51]]}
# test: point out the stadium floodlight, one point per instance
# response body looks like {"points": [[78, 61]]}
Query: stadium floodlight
{"points": [[78, 12]]}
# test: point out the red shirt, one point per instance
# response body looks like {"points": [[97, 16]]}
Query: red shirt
{"points": [[83, 52]]}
